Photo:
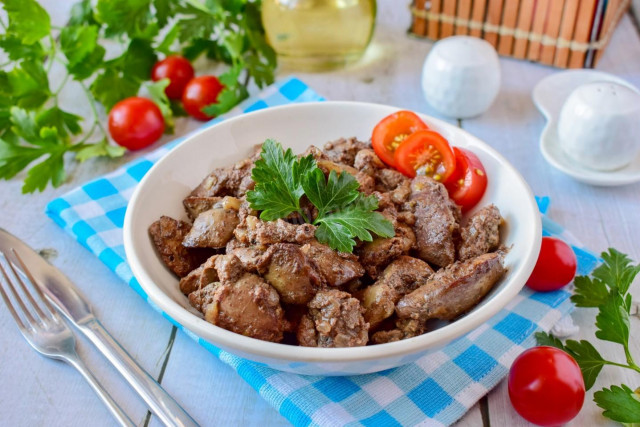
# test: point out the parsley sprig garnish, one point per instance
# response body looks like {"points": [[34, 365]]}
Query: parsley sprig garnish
{"points": [[40, 59], [607, 290], [344, 213]]}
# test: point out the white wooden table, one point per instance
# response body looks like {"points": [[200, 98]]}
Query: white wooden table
{"points": [[38, 391]]}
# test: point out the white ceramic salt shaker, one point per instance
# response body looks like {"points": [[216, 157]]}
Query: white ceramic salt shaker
{"points": [[461, 76], [599, 125]]}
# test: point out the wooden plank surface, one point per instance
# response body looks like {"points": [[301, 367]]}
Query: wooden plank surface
{"points": [[39, 392], [509, 21], [525, 21], [464, 12], [566, 31], [552, 30]]}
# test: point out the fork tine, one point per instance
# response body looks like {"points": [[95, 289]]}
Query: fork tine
{"points": [[7, 301], [34, 284], [26, 292]]}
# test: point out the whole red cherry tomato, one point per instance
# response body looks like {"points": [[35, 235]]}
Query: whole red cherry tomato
{"points": [[546, 386], [555, 268], [200, 92], [135, 123], [178, 70]]}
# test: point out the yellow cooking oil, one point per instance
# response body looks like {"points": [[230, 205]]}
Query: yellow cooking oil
{"points": [[318, 34]]}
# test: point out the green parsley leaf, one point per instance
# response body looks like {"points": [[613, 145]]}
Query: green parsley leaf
{"points": [[16, 49], [99, 149], [159, 97], [66, 123], [278, 191], [356, 220], [82, 13], [543, 338], [332, 194], [589, 292], [28, 84], [50, 169], [78, 42], [612, 320], [14, 158], [588, 358], [89, 65], [616, 272], [232, 94], [111, 86], [619, 403], [27, 20], [132, 17]]}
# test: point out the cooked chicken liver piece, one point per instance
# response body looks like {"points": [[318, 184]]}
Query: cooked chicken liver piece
{"points": [[230, 181], [229, 268], [212, 229], [334, 320], [200, 298], [453, 290], [290, 273], [367, 183], [405, 328], [335, 267], [249, 307], [481, 234], [200, 277], [344, 150], [368, 162], [253, 231], [402, 276], [167, 235], [437, 219], [376, 255]]}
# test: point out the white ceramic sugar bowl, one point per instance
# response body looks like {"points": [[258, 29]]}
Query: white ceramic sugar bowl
{"points": [[599, 125], [461, 76]]}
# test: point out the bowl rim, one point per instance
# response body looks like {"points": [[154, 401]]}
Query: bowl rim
{"points": [[237, 342]]}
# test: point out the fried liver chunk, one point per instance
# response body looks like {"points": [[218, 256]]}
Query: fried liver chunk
{"points": [[376, 255], [453, 290], [336, 268], [436, 221], [249, 307], [481, 234], [254, 231], [334, 320], [167, 235], [344, 150], [200, 277], [289, 272]]}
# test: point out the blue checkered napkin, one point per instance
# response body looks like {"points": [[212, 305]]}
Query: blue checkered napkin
{"points": [[436, 390]]}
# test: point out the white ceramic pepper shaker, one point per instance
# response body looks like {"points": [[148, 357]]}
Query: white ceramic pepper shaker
{"points": [[461, 76], [599, 125]]}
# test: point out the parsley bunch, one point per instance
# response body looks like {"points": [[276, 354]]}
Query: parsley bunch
{"points": [[344, 213], [34, 126], [608, 291]]}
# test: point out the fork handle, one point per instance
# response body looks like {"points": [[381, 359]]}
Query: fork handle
{"points": [[115, 409], [160, 402]]}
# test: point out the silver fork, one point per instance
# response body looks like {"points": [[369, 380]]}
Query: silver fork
{"points": [[47, 332]]}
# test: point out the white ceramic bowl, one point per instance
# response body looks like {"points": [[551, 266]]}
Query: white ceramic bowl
{"points": [[298, 126]]}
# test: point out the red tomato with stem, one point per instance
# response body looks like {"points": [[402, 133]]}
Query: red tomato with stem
{"points": [[178, 70], [391, 131], [199, 93], [468, 182], [425, 152], [546, 386], [135, 123], [556, 266]]}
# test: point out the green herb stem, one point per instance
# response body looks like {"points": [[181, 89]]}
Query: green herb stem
{"points": [[630, 361], [93, 107], [52, 53], [64, 82]]}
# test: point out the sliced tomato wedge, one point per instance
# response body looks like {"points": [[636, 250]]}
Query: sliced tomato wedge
{"points": [[391, 131], [425, 152], [469, 181]]}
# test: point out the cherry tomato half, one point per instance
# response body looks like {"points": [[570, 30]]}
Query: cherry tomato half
{"points": [[391, 131], [178, 70], [546, 386], [135, 123], [556, 266], [469, 180], [200, 92], [425, 152]]}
